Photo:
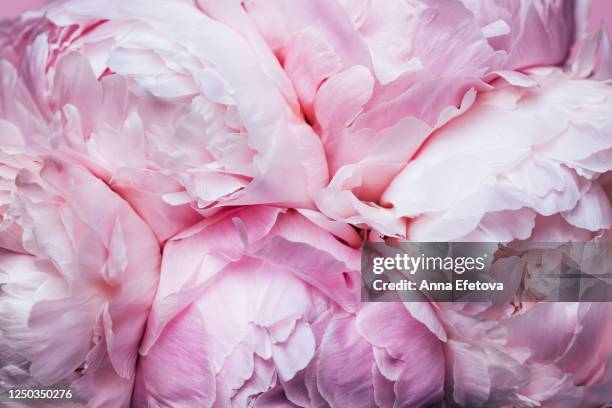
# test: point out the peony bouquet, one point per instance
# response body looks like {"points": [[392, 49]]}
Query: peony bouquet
{"points": [[186, 186]]}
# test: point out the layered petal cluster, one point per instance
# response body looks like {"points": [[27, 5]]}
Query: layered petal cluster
{"points": [[389, 73], [240, 298], [78, 273], [375, 78], [185, 185], [175, 110], [522, 163]]}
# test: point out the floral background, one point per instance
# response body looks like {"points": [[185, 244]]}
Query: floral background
{"points": [[185, 187]]}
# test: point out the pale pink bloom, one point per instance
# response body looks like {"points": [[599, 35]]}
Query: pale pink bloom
{"points": [[78, 270], [521, 163], [178, 112], [237, 307], [375, 78], [214, 127]]}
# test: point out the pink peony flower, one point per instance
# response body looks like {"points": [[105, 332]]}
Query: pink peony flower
{"points": [[361, 71], [238, 306], [178, 112], [364, 82], [185, 185], [78, 270]]}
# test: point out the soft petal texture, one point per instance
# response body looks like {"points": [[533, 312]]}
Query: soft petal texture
{"points": [[532, 32], [518, 155], [239, 294], [362, 71], [79, 270], [257, 144], [164, 103], [363, 83], [375, 358], [593, 58]]}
